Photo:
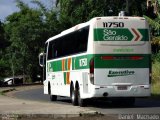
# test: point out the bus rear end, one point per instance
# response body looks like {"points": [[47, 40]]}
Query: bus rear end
{"points": [[122, 57]]}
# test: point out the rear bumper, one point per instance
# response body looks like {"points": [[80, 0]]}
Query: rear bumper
{"points": [[112, 91]]}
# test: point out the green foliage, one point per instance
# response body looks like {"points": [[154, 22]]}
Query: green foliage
{"points": [[155, 32], [155, 90], [74, 12], [156, 68], [156, 78], [154, 23], [156, 57], [24, 33], [155, 27], [4, 67]]}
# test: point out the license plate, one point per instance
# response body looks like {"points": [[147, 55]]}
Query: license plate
{"points": [[122, 87]]}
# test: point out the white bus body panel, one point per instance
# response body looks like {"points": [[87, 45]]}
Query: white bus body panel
{"points": [[137, 84]]}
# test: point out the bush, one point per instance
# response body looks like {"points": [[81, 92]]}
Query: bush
{"points": [[156, 57], [156, 68]]}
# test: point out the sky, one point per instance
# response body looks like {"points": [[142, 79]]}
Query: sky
{"points": [[7, 7]]}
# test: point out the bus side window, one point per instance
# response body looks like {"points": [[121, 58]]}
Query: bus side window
{"points": [[55, 53], [83, 39], [51, 51], [69, 44]]}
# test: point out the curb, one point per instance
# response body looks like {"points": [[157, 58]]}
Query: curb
{"points": [[17, 116], [47, 116], [4, 90], [7, 90], [16, 85], [35, 116], [90, 113]]}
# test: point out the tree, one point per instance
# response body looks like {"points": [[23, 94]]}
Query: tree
{"points": [[153, 17], [3, 41], [73, 12], [28, 29], [50, 19], [25, 31], [4, 67]]}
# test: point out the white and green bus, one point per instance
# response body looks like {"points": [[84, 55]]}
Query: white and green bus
{"points": [[106, 57]]}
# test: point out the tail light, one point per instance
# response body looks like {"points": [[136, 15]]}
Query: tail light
{"points": [[107, 57], [136, 57], [92, 66], [92, 70]]}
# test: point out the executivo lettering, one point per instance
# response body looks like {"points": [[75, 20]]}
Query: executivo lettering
{"points": [[113, 73]]}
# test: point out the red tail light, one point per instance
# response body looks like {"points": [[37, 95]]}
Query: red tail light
{"points": [[107, 57], [92, 71], [136, 57], [92, 66]]}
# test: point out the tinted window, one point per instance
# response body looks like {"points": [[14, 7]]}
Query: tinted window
{"points": [[72, 43]]}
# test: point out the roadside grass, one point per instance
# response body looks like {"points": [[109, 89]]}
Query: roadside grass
{"points": [[2, 92], [155, 90]]}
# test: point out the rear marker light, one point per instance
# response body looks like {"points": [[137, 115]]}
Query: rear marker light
{"points": [[107, 57], [136, 58], [92, 66], [121, 58], [92, 71]]}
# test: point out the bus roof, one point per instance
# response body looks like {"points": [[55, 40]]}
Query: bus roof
{"points": [[72, 29], [81, 25]]}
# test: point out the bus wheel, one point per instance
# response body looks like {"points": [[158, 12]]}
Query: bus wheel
{"points": [[81, 102], [52, 97], [74, 97]]}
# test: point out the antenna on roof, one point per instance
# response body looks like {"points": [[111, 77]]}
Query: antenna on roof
{"points": [[122, 13]]}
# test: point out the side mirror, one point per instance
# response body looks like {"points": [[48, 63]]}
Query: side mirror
{"points": [[42, 59]]}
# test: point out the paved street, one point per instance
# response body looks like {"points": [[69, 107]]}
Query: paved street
{"points": [[141, 106], [32, 101], [13, 106]]}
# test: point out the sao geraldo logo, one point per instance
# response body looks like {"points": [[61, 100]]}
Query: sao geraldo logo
{"points": [[113, 73]]}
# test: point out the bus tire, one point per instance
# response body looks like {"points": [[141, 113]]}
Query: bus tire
{"points": [[81, 102], [74, 97], [52, 97]]}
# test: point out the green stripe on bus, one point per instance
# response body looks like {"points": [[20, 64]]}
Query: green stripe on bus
{"points": [[80, 62], [54, 66], [120, 34], [145, 34], [65, 80], [83, 62]]}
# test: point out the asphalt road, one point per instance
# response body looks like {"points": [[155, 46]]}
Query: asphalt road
{"points": [[142, 106]]}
